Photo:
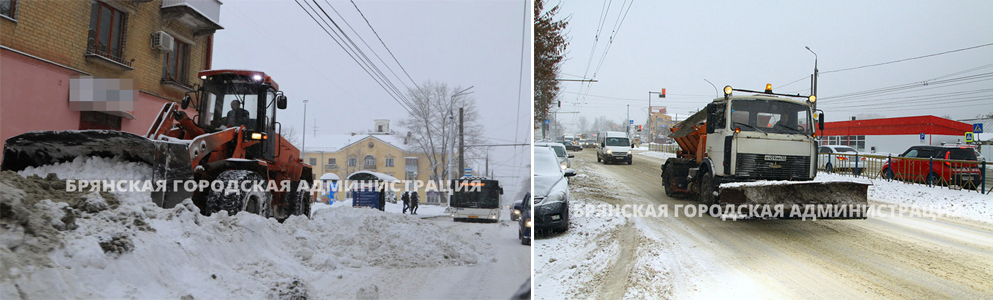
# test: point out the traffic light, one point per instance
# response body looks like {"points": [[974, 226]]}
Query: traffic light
{"points": [[639, 128], [560, 103], [662, 95]]}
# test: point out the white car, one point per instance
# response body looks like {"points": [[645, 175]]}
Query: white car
{"points": [[560, 153], [828, 158], [551, 192]]}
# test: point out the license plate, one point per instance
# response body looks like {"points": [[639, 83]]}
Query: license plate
{"points": [[775, 157], [555, 217], [473, 217]]}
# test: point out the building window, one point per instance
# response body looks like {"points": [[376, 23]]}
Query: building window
{"points": [[176, 66], [410, 175], [389, 162], [351, 162], [411, 161], [369, 161], [8, 8], [98, 120], [857, 142], [106, 35], [332, 161], [313, 161]]}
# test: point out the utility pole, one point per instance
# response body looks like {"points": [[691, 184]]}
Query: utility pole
{"points": [[461, 142], [303, 148], [487, 170], [813, 79], [627, 122]]}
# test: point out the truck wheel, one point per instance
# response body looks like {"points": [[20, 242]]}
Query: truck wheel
{"points": [[598, 159], [629, 161], [707, 189], [256, 202], [299, 201], [667, 181]]}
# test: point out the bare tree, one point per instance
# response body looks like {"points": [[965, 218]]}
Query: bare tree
{"points": [[583, 124], [433, 118], [290, 134]]}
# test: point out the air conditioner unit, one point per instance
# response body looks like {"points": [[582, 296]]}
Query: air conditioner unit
{"points": [[163, 41]]}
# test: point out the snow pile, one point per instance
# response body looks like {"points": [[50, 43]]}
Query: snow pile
{"points": [[658, 154], [57, 244], [818, 179], [966, 204]]}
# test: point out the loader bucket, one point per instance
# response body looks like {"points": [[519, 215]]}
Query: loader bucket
{"points": [[170, 161], [842, 200]]}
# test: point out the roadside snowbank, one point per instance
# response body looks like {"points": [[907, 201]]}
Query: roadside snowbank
{"points": [[658, 154], [965, 204], [89, 245]]}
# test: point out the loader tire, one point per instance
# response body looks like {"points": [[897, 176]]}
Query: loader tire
{"points": [[299, 201], [256, 202], [707, 189]]}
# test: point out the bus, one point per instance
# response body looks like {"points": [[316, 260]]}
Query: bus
{"points": [[475, 199]]}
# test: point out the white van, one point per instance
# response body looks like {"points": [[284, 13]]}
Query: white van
{"points": [[613, 146]]}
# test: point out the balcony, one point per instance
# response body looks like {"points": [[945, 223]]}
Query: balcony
{"points": [[369, 167], [204, 16], [331, 167]]}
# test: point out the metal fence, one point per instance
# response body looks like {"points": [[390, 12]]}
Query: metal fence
{"points": [[950, 173]]}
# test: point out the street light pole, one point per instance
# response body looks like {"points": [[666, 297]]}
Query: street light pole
{"points": [[715, 87], [303, 148], [813, 89]]}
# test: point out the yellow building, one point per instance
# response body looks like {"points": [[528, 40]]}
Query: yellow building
{"points": [[380, 150]]}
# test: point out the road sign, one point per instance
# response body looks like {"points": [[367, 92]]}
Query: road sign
{"points": [[968, 137], [922, 136], [631, 122], [977, 128], [547, 121], [468, 172]]}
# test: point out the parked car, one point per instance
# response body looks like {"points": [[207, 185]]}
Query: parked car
{"points": [[572, 146], [906, 167], [524, 221], [828, 160], [515, 212], [551, 192], [560, 153]]}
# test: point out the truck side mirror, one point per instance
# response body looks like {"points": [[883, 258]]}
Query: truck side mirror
{"points": [[186, 101], [820, 122], [711, 110], [281, 102]]}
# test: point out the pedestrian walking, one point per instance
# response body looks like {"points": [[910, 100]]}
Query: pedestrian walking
{"points": [[414, 202], [406, 201], [382, 199]]}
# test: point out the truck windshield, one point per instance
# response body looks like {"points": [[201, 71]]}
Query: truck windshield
{"points": [[771, 116], [618, 142], [230, 104]]}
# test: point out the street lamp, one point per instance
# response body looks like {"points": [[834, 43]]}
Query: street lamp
{"points": [[715, 87], [303, 148], [813, 88]]}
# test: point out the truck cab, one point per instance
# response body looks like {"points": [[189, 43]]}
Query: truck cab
{"points": [[760, 136]]}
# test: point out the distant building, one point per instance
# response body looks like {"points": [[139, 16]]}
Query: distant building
{"points": [[379, 150], [894, 135], [160, 45]]}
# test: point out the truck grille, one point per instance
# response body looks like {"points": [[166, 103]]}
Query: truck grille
{"points": [[756, 166]]}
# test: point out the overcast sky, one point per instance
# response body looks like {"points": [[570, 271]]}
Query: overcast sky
{"points": [[677, 44], [460, 43]]}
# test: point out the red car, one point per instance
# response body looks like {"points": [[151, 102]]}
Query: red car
{"points": [[967, 175]]}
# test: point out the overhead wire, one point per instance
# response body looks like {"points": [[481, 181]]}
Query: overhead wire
{"points": [[384, 44]]}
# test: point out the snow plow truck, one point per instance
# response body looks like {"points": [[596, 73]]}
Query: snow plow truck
{"points": [[233, 137], [757, 150]]}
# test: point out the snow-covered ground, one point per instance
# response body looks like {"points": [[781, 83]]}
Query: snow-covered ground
{"points": [[57, 244], [658, 154], [965, 204]]}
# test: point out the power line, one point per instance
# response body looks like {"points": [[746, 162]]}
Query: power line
{"points": [[366, 44], [906, 59], [384, 44], [364, 68]]}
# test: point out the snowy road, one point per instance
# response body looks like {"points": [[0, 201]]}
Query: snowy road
{"points": [[705, 257]]}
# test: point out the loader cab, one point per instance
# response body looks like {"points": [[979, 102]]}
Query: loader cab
{"points": [[241, 98]]}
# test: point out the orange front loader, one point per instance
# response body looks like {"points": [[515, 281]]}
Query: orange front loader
{"points": [[233, 138]]}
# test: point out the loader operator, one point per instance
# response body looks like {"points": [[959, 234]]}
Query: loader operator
{"points": [[237, 116]]}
